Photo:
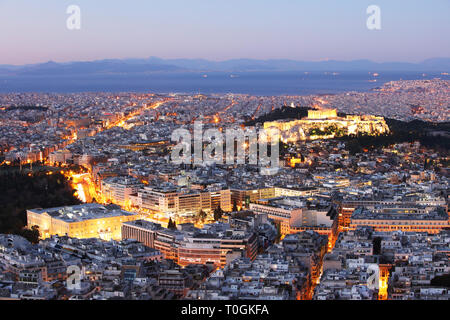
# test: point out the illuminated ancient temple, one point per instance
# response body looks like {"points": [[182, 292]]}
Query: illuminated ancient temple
{"points": [[326, 124]]}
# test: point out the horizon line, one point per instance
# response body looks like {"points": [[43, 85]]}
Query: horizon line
{"points": [[223, 60]]}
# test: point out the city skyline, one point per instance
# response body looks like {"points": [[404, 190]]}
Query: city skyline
{"points": [[357, 208]]}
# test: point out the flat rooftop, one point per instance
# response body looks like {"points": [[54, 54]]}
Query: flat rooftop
{"points": [[82, 212], [439, 213]]}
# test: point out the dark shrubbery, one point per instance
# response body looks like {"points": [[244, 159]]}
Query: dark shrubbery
{"points": [[20, 191]]}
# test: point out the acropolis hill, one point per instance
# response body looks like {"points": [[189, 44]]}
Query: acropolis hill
{"points": [[325, 124]]}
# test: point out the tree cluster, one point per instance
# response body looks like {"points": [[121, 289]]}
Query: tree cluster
{"points": [[20, 191]]}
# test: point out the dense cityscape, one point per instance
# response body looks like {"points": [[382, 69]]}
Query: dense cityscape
{"points": [[224, 159], [345, 204]]}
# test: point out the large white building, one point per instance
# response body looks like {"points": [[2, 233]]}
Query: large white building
{"points": [[89, 220]]}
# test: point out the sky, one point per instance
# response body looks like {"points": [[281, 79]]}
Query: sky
{"points": [[411, 30]]}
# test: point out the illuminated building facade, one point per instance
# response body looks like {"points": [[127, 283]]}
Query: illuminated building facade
{"points": [[60, 156], [241, 195], [195, 246], [177, 201], [218, 251], [348, 206], [285, 216], [384, 219], [89, 220], [118, 189], [322, 114]]}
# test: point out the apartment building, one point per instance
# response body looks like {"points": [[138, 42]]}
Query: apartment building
{"points": [[119, 189]]}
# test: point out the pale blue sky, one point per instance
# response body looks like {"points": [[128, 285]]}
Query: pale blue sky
{"points": [[35, 31]]}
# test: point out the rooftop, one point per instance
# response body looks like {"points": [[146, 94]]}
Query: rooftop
{"points": [[82, 212]]}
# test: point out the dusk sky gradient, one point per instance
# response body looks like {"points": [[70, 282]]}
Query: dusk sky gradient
{"points": [[35, 31]]}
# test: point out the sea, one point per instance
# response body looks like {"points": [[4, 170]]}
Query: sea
{"points": [[253, 83]]}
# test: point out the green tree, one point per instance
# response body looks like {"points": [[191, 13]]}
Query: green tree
{"points": [[20, 191], [201, 216], [218, 213], [171, 224], [31, 235], [235, 208], [278, 238]]}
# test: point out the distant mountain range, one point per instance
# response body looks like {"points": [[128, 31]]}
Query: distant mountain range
{"points": [[154, 64]]}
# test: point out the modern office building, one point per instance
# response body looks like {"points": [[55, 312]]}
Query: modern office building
{"points": [[217, 244], [174, 200], [391, 219]]}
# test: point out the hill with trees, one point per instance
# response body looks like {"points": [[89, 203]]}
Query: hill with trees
{"points": [[20, 190], [430, 134]]}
